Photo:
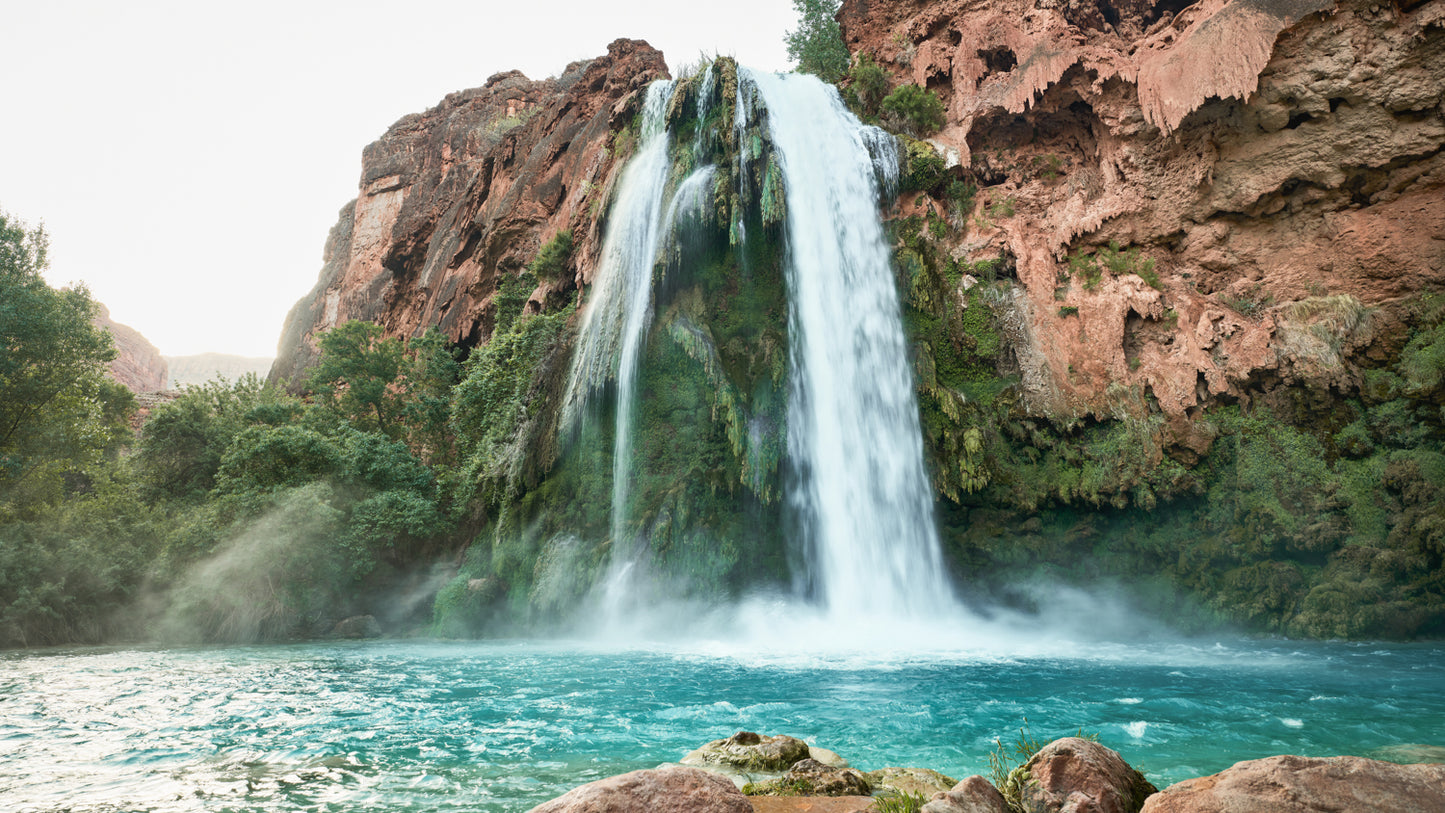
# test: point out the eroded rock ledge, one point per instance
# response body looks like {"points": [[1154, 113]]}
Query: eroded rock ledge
{"points": [[1260, 152]]}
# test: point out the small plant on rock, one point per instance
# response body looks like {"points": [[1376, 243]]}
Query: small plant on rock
{"points": [[898, 803]]}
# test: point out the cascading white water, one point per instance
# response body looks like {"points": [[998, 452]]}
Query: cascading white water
{"points": [[615, 322], [861, 490], [858, 484]]}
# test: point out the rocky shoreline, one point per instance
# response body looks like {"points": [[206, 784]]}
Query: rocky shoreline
{"points": [[781, 774]]}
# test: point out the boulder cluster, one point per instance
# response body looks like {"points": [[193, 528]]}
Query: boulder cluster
{"points": [[751, 772]]}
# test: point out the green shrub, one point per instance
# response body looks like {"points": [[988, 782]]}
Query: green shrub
{"points": [[869, 83], [551, 261], [913, 109], [925, 168]]}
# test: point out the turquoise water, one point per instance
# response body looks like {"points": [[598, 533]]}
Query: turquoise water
{"points": [[504, 726]]}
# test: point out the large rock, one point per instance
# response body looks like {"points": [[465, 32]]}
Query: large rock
{"points": [[1074, 775], [973, 795], [751, 751], [1290, 784], [664, 790], [809, 777], [357, 626], [918, 781]]}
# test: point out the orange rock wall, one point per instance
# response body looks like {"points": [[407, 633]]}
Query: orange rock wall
{"points": [[1264, 152]]}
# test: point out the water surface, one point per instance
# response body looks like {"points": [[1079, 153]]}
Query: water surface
{"points": [[503, 726]]}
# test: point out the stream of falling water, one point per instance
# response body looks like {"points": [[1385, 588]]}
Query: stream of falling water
{"points": [[862, 493], [859, 490]]}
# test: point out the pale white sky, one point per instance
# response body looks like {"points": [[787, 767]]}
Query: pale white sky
{"points": [[188, 158]]}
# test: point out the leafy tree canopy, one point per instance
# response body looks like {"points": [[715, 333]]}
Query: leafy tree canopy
{"points": [[58, 411], [817, 43]]}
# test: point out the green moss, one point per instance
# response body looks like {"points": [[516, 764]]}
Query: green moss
{"points": [[924, 168]]}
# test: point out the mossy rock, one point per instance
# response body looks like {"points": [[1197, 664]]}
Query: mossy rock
{"points": [[809, 777], [909, 781]]}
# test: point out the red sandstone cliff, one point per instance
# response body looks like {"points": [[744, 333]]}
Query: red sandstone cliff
{"points": [[1279, 160], [452, 199], [138, 364]]}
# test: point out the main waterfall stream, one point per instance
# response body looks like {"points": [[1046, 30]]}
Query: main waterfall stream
{"points": [[859, 501]]}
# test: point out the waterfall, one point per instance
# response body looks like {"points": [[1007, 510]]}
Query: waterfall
{"points": [[862, 495], [811, 177], [616, 321]]}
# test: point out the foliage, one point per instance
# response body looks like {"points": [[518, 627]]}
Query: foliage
{"points": [[925, 168], [913, 109], [1251, 302], [867, 86], [1117, 261], [898, 803], [181, 445], [1006, 765], [816, 45], [59, 415], [961, 193], [357, 375], [388, 385], [551, 261]]}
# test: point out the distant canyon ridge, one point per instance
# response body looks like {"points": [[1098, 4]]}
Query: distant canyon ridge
{"points": [[141, 368]]}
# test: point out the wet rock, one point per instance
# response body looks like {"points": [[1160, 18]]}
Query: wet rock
{"points": [[357, 626], [749, 751], [827, 757], [920, 781], [809, 777], [973, 795], [812, 804], [1074, 775], [664, 790], [1291, 784]]}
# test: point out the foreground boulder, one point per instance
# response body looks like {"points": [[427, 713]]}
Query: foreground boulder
{"points": [[973, 795], [809, 777], [664, 790], [752, 752], [1074, 775], [923, 782], [1290, 784]]}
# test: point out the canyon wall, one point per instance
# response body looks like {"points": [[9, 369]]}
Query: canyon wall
{"points": [[1268, 156], [453, 200], [138, 364]]}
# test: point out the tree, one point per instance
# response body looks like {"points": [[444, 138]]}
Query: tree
{"points": [[358, 374], [817, 44], [401, 389], [58, 411]]}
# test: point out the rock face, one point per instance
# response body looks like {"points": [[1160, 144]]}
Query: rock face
{"points": [[1074, 775], [972, 795], [1266, 155], [455, 199], [1290, 784], [666, 790], [138, 364]]}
